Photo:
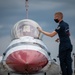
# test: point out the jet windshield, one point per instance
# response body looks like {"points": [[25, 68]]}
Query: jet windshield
{"points": [[26, 28]]}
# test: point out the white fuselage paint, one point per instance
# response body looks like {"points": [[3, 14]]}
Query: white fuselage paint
{"points": [[29, 46]]}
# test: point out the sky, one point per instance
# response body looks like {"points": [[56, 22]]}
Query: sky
{"points": [[41, 11]]}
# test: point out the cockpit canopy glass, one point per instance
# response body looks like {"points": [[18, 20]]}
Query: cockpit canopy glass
{"points": [[26, 28]]}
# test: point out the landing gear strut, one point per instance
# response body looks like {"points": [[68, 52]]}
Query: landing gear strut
{"points": [[8, 73], [45, 73]]}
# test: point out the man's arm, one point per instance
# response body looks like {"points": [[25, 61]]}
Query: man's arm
{"points": [[48, 33]]}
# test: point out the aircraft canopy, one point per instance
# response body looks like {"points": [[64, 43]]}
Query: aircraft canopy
{"points": [[26, 27]]}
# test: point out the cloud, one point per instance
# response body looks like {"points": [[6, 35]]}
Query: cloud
{"points": [[1, 26], [11, 3], [69, 12], [44, 5]]}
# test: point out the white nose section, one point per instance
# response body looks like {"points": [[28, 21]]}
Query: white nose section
{"points": [[26, 61]]}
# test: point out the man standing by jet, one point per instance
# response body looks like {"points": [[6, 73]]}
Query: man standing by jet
{"points": [[65, 46]]}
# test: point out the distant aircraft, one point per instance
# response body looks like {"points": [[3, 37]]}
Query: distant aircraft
{"points": [[26, 54]]}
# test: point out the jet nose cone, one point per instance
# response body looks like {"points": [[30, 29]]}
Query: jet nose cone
{"points": [[26, 61]]}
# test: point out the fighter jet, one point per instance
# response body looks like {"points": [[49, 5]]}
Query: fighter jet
{"points": [[26, 54]]}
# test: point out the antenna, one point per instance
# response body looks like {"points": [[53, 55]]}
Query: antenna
{"points": [[26, 5]]}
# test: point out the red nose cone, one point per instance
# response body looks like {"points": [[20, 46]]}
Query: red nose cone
{"points": [[26, 61]]}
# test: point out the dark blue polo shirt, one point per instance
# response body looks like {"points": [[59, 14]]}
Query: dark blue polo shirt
{"points": [[63, 33]]}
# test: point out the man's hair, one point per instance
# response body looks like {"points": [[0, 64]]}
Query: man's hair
{"points": [[60, 14]]}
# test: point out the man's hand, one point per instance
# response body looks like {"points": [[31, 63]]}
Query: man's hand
{"points": [[57, 40], [40, 30]]}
